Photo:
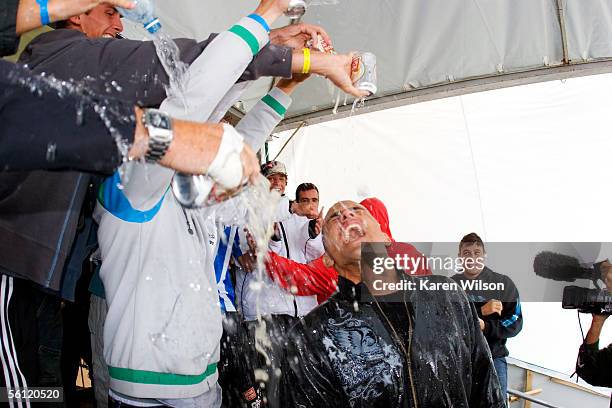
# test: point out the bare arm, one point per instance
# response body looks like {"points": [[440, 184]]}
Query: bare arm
{"points": [[28, 14], [193, 148], [336, 68]]}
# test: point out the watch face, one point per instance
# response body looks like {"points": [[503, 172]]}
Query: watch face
{"points": [[158, 119]]}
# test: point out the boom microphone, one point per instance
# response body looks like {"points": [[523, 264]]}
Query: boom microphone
{"points": [[559, 267]]}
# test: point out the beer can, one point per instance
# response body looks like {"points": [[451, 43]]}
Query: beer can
{"points": [[199, 191], [296, 9], [363, 72], [191, 191], [322, 45]]}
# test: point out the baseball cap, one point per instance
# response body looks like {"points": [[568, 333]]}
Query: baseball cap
{"points": [[273, 167]]}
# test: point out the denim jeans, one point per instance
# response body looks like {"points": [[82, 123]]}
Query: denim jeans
{"points": [[502, 372]]}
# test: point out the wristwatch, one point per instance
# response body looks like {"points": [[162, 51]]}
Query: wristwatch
{"points": [[159, 125]]}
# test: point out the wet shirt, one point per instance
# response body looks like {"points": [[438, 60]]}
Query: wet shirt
{"points": [[344, 354]]}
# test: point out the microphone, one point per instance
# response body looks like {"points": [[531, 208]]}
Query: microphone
{"points": [[559, 267]]}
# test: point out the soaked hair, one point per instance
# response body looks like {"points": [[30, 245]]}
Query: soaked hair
{"points": [[471, 238], [304, 187]]}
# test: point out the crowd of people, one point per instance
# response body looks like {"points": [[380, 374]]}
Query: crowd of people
{"points": [[101, 262]]}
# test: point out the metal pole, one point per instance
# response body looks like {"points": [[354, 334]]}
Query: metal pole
{"points": [[528, 397], [561, 15]]}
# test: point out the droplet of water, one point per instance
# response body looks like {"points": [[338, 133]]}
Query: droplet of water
{"points": [[335, 111], [51, 149]]}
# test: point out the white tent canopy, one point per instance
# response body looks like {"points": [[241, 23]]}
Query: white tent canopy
{"points": [[456, 46]]}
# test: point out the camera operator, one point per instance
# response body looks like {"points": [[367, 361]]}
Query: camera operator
{"points": [[595, 365]]}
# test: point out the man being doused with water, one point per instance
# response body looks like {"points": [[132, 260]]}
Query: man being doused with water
{"points": [[369, 348]]}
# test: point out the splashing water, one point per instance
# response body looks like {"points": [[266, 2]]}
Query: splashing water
{"points": [[256, 209], [169, 56], [358, 104], [109, 113], [335, 111]]}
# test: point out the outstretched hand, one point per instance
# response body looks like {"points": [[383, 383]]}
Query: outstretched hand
{"points": [[297, 36], [337, 68]]}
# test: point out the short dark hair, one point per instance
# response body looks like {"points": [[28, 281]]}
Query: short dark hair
{"points": [[59, 24], [304, 187], [471, 238]]}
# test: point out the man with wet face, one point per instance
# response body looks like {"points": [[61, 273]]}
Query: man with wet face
{"points": [[369, 348], [499, 311]]}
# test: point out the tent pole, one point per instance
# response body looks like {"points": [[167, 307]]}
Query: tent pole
{"points": [[561, 16], [288, 140]]}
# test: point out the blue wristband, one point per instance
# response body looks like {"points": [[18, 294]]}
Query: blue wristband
{"points": [[44, 13], [260, 20]]}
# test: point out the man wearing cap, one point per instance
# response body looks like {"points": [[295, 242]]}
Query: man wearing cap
{"points": [[276, 173]]}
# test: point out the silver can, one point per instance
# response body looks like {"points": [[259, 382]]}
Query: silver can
{"points": [[201, 191], [363, 72], [296, 9], [191, 191]]}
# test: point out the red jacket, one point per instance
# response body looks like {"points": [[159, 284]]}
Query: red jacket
{"points": [[315, 278]]}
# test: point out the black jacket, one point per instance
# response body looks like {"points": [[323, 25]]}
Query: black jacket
{"points": [[8, 35], [132, 65], [497, 328], [39, 210], [594, 365], [346, 353]]}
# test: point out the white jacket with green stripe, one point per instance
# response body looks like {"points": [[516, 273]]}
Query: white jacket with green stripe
{"points": [[163, 325]]}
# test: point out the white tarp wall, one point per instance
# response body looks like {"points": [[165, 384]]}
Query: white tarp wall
{"points": [[524, 164]]}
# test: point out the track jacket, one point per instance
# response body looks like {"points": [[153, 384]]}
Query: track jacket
{"points": [[498, 329], [125, 69], [227, 247], [164, 324]]}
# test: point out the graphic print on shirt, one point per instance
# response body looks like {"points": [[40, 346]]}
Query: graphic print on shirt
{"points": [[364, 362]]}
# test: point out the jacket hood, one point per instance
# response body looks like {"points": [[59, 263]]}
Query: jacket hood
{"points": [[379, 212]]}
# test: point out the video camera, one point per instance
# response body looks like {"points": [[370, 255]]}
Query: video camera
{"points": [[559, 267]]}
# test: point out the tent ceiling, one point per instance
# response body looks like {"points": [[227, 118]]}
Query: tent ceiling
{"points": [[429, 49]]}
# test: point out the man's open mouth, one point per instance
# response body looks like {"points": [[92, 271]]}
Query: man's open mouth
{"points": [[352, 232]]}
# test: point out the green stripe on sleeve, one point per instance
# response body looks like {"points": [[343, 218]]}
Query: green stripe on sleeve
{"points": [[246, 35], [151, 377], [274, 104]]}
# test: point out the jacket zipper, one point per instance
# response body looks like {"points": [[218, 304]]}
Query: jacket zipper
{"points": [[189, 229]]}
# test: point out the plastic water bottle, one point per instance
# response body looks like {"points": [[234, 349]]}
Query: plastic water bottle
{"points": [[143, 13]]}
